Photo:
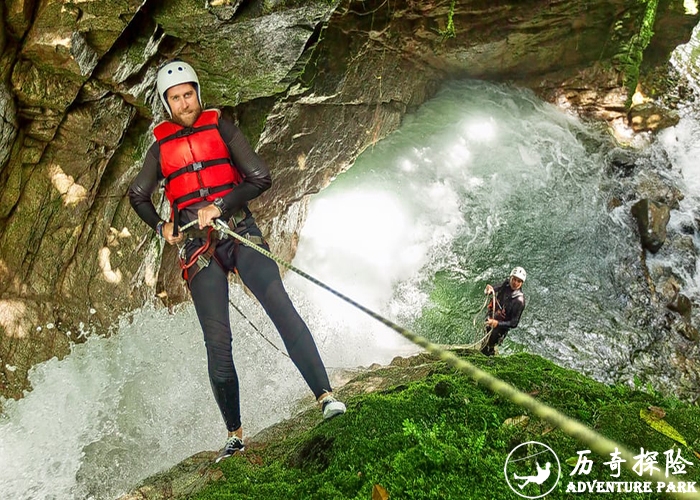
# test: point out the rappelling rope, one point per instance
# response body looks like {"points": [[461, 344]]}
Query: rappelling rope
{"points": [[597, 442], [487, 331], [238, 310], [257, 329]]}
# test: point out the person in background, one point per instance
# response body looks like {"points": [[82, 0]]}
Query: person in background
{"points": [[509, 305], [210, 172]]}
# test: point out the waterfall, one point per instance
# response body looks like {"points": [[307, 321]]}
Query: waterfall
{"points": [[482, 179]]}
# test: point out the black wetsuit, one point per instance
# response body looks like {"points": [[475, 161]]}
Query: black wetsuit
{"points": [[509, 307], [209, 286]]}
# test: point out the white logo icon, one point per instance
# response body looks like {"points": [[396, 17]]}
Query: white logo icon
{"points": [[530, 468]]}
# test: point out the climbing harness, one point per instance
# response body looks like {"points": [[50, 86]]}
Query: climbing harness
{"points": [[202, 256], [597, 442]]}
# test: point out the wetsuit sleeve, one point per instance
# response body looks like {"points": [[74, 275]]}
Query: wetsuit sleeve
{"points": [[143, 186], [253, 169], [498, 288], [516, 310]]}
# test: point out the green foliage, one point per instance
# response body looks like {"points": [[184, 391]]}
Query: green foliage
{"points": [[648, 388], [631, 52], [449, 31], [444, 437]]}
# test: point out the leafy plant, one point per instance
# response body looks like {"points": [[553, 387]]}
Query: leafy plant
{"points": [[632, 51], [449, 31]]}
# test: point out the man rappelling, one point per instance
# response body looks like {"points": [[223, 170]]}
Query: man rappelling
{"points": [[505, 310], [211, 172]]}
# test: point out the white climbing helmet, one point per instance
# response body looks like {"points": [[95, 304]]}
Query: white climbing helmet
{"points": [[174, 73], [518, 272]]}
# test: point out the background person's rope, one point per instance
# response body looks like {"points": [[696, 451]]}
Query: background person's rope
{"points": [[482, 333]]}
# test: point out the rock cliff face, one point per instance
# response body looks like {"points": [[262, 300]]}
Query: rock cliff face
{"points": [[311, 83]]}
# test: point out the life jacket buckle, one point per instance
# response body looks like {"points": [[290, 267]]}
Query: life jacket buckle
{"points": [[184, 132], [197, 166], [204, 192]]}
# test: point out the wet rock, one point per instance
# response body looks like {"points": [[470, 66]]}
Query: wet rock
{"points": [[623, 162], [666, 285], [687, 330], [8, 123], [652, 219], [182, 481], [650, 117], [651, 185], [682, 305], [593, 91], [614, 203], [18, 16]]}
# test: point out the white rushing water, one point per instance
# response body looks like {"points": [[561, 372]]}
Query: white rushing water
{"points": [[683, 149], [119, 409], [482, 178]]}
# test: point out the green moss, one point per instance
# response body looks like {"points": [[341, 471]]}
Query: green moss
{"points": [[630, 56], [444, 437], [251, 117], [271, 6], [182, 18], [449, 31]]}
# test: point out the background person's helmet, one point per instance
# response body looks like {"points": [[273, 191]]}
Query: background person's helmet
{"points": [[519, 273], [174, 73]]}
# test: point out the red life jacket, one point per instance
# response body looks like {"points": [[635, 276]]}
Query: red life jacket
{"points": [[195, 161]]}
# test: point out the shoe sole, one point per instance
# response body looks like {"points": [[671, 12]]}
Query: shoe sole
{"points": [[224, 457], [332, 414], [334, 411]]}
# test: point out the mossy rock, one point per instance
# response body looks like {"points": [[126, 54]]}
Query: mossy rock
{"points": [[442, 436]]}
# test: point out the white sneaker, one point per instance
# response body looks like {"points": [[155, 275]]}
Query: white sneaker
{"points": [[331, 407], [233, 445]]}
